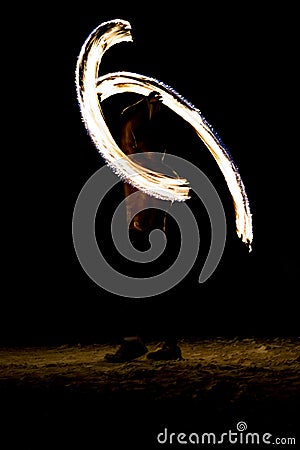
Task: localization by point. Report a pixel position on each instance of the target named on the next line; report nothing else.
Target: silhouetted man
(141, 132)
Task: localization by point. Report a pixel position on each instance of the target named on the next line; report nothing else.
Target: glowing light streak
(92, 89)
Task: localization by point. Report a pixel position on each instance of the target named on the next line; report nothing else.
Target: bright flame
(92, 90)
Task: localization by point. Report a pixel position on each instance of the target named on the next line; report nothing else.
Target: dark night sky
(239, 68)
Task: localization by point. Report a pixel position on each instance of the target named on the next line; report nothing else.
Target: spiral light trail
(92, 89)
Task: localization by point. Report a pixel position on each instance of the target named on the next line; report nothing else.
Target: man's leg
(131, 348)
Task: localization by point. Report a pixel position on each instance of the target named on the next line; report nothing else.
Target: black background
(237, 64)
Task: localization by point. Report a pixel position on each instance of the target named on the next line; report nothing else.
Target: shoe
(131, 348)
(166, 353)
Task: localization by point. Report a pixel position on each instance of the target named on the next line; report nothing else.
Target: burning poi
(92, 89)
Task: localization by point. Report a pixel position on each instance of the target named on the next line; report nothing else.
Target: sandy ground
(72, 393)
